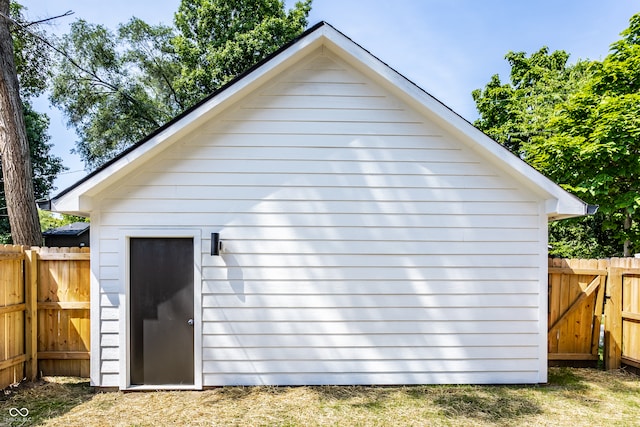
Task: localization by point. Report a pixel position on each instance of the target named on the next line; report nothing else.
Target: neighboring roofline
(562, 204)
(66, 230)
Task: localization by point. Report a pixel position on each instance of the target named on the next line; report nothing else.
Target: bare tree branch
(67, 13)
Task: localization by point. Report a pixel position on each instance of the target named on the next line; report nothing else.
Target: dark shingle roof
(75, 229)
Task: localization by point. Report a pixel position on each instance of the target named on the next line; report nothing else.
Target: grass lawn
(573, 397)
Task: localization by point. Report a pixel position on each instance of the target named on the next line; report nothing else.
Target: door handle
(190, 322)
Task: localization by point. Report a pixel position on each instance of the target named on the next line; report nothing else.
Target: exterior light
(216, 244)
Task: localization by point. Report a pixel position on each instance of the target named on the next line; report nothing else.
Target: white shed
(369, 235)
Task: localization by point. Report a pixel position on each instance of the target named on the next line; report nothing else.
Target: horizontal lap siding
(361, 243)
(110, 290)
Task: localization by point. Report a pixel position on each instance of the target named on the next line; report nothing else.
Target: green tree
(519, 113)
(219, 39)
(596, 145)
(45, 165)
(580, 125)
(32, 61)
(49, 220)
(117, 88)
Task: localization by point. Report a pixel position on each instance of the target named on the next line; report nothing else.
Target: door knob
(190, 322)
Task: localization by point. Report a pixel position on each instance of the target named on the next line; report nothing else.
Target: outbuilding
(318, 220)
(70, 235)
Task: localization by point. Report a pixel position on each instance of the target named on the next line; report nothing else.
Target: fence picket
(613, 322)
(31, 315)
(630, 314)
(598, 313)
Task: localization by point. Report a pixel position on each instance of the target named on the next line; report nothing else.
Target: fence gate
(64, 330)
(622, 340)
(576, 300)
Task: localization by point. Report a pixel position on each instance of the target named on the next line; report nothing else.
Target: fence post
(31, 314)
(613, 320)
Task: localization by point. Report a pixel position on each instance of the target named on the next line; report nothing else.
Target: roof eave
(77, 199)
(559, 210)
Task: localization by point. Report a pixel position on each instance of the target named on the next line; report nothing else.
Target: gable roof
(77, 198)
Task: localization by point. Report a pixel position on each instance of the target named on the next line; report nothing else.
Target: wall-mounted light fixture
(216, 244)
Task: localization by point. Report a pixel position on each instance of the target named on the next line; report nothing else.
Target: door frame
(124, 312)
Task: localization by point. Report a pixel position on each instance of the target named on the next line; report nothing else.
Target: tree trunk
(14, 146)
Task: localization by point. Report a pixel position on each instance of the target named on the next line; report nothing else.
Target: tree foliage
(45, 166)
(597, 143)
(32, 61)
(578, 124)
(116, 88)
(114, 91)
(49, 220)
(33, 66)
(517, 113)
(219, 39)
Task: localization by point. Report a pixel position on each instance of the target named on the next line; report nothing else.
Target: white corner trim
(543, 295)
(94, 314)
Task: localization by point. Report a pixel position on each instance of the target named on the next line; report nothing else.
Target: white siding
(362, 244)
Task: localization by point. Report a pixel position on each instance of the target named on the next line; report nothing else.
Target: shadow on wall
(234, 275)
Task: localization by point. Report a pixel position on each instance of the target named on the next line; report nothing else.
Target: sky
(447, 47)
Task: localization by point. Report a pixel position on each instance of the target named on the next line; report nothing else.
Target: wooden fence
(45, 329)
(44, 312)
(14, 315)
(576, 297)
(581, 294)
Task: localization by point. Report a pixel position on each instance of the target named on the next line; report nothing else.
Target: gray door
(161, 310)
